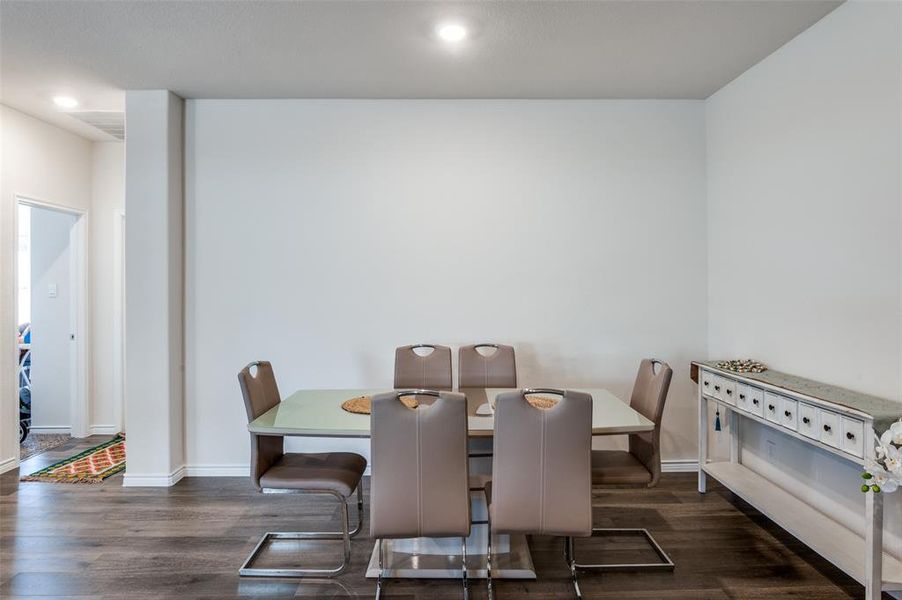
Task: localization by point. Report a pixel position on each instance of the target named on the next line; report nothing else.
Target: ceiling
(93, 50)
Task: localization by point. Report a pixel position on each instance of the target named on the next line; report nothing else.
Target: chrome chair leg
(381, 571)
(466, 581)
(571, 563)
(464, 576)
(345, 533)
(666, 563)
(488, 559)
(359, 511)
(247, 570)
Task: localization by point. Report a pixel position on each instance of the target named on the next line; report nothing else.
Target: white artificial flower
(887, 482)
(888, 439)
(893, 460)
(895, 431)
(883, 444)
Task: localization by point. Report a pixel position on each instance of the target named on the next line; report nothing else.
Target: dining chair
(477, 370)
(541, 475)
(640, 466)
(419, 485)
(495, 370)
(275, 471)
(431, 372)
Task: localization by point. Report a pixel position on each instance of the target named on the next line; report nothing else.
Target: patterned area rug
(36, 443)
(91, 466)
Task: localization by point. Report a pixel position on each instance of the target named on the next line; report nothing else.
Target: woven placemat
(362, 405)
(542, 401)
(538, 401)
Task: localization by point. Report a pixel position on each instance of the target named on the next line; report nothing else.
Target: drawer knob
(771, 407)
(716, 388)
(729, 392)
(742, 396)
(827, 428)
(706, 383)
(806, 420)
(787, 413)
(850, 436)
(755, 401)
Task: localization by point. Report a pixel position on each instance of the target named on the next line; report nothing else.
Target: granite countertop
(884, 412)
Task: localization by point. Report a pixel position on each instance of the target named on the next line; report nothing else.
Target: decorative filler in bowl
(885, 473)
(742, 366)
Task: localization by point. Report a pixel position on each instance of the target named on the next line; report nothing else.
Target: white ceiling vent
(108, 121)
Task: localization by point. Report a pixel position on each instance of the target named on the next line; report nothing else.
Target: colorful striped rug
(91, 466)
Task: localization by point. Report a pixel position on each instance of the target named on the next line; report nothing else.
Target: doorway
(51, 293)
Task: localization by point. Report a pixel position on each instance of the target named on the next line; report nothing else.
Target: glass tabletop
(318, 413)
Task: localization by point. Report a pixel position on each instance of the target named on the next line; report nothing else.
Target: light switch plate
(52, 290)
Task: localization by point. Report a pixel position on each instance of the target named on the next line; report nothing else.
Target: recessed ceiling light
(452, 32)
(65, 102)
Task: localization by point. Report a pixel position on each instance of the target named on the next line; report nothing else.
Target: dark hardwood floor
(106, 541)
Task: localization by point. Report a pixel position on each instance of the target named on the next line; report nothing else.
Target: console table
(827, 417)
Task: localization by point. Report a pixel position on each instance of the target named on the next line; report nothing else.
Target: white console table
(833, 419)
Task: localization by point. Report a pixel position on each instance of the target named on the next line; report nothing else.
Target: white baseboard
(217, 471)
(679, 466)
(226, 471)
(104, 430)
(51, 429)
(93, 430)
(667, 466)
(9, 464)
(160, 480)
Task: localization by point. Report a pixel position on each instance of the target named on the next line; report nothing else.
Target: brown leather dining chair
(429, 372)
(495, 370)
(273, 470)
(640, 466)
(419, 485)
(475, 370)
(541, 474)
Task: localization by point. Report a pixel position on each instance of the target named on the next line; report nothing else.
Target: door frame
(79, 410)
(118, 366)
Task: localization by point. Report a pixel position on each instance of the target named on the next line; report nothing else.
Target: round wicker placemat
(542, 401)
(361, 405)
(539, 401)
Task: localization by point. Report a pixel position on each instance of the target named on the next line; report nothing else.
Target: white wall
(107, 208)
(43, 162)
(804, 227)
(323, 234)
(51, 321)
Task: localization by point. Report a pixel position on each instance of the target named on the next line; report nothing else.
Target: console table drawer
(789, 409)
(808, 421)
(831, 427)
(853, 436)
(756, 401)
(725, 389)
(772, 407)
(729, 391)
(743, 397)
(707, 383)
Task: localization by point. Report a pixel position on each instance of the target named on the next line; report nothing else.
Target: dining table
(318, 413)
